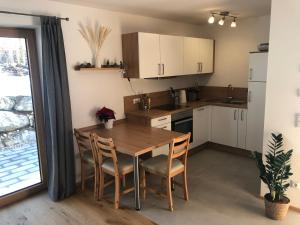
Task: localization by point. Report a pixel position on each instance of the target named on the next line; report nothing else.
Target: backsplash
(204, 93)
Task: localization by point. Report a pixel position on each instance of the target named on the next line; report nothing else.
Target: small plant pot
(276, 210)
(109, 124)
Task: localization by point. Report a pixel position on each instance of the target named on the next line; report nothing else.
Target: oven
(183, 122)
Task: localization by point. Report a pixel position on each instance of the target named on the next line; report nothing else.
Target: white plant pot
(109, 124)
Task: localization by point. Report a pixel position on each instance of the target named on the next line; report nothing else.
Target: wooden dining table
(135, 140)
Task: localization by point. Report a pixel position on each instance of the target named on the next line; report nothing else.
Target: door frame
(36, 90)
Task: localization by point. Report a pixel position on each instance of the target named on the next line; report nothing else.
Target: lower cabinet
(242, 129)
(201, 125)
(229, 126)
(224, 125)
(164, 123)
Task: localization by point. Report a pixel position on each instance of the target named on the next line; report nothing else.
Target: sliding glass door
(22, 158)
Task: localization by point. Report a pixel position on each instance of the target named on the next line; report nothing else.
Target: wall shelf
(102, 69)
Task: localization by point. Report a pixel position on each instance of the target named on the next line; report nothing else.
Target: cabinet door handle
(159, 68)
(198, 67)
(234, 115)
(249, 96)
(250, 74)
(162, 119)
(201, 66)
(242, 115)
(163, 67)
(200, 109)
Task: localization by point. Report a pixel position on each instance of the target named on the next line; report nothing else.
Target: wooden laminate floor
(79, 209)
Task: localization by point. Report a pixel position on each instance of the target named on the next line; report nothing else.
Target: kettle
(182, 96)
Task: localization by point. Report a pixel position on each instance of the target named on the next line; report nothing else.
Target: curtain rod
(27, 14)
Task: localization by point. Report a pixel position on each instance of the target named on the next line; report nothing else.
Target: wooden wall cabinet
(148, 55)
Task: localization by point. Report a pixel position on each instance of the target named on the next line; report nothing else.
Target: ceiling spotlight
(233, 23)
(211, 19)
(222, 21)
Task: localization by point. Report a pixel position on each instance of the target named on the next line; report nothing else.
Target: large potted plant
(275, 173)
(107, 116)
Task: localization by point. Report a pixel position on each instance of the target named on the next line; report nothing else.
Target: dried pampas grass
(95, 36)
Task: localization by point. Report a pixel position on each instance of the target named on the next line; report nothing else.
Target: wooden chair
(168, 167)
(86, 156)
(112, 164)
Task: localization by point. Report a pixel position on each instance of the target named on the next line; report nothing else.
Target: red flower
(105, 114)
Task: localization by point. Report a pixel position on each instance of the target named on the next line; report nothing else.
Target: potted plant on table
(275, 173)
(107, 116)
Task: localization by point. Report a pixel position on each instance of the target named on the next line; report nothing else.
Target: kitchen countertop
(154, 113)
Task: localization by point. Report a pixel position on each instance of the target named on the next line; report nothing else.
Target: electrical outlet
(136, 100)
(294, 184)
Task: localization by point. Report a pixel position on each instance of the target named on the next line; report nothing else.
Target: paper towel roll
(182, 97)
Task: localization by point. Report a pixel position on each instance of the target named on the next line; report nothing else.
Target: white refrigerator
(258, 64)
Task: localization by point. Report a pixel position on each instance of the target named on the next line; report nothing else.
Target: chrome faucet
(229, 91)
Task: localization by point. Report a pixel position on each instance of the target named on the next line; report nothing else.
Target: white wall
(282, 82)
(232, 48)
(91, 90)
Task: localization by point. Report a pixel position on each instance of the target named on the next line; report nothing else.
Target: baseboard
(229, 149)
(198, 149)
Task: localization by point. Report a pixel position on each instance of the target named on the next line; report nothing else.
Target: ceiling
(189, 11)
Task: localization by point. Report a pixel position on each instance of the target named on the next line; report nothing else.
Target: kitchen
(177, 76)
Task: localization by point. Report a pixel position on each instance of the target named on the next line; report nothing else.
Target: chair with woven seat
(169, 166)
(86, 156)
(113, 164)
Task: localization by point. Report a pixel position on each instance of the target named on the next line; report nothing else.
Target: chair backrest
(105, 148)
(83, 142)
(179, 149)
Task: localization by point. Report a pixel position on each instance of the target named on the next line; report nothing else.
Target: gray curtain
(58, 123)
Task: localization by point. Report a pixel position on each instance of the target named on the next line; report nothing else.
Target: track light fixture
(233, 23)
(222, 21)
(211, 19)
(223, 15)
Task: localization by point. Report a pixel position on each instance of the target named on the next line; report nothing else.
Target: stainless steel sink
(234, 101)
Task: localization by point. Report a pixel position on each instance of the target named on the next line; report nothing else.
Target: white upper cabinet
(206, 55)
(191, 55)
(171, 55)
(149, 55)
(198, 55)
(258, 66)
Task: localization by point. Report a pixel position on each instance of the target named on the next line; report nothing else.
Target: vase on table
(109, 124)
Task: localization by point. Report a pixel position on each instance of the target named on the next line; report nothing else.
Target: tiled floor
(18, 169)
(223, 190)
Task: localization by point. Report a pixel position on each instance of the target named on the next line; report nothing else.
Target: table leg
(136, 183)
